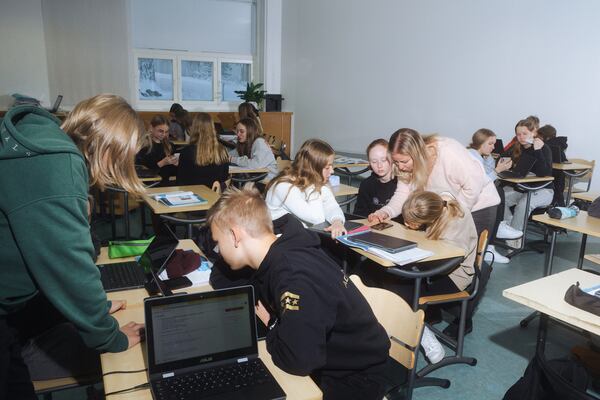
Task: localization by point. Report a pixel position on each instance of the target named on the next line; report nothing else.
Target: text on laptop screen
(200, 328)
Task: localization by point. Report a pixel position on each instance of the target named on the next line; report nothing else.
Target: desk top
(570, 166)
(546, 295)
(296, 387)
(350, 165)
(528, 179)
(156, 178)
(200, 190)
(242, 170)
(581, 223)
(180, 142)
(343, 190)
(441, 250)
(586, 196)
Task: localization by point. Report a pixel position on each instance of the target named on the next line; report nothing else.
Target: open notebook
(179, 199)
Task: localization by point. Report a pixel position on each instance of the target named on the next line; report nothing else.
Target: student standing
(157, 154)
(302, 189)
(377, 190)
(252, 151)
(318, 322)
(204, 160)
(49, 280)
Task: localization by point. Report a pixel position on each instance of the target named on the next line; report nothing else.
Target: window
(192, 79)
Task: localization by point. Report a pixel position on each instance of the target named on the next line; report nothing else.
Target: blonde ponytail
(429, 210)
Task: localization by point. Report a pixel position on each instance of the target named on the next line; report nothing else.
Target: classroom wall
(353, 71)
(23, 66)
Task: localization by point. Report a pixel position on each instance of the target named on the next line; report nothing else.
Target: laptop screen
(157, 253)
(188, 330)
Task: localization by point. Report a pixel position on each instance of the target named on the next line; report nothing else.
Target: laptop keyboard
(213, 381)
(122, 275)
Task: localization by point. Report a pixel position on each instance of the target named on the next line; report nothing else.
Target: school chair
(586, 178)
(45, 388)
(404, 327)
(463, 297)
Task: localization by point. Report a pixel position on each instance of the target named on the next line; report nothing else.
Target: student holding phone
(157, 153)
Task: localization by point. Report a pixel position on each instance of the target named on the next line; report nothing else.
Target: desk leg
(416, 294)
(569, 190)
(542, 332)
(582, 251)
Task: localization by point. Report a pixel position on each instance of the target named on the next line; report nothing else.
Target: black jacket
(188, 173)
(372, 195)
(325, 326)
(559, 176)
(543, 161)
(149, 158)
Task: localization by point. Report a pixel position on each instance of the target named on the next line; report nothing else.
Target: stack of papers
(401, 258)
(179, 199)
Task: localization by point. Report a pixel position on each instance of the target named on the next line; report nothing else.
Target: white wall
(23, 67)
(354, 70)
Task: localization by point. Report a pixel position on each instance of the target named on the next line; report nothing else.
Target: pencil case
(127, 248)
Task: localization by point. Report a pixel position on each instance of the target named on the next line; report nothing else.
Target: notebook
(203, 345)
(387, 243)
(524, 165)
(135, 274)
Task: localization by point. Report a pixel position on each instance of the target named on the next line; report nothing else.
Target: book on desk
(179, 199)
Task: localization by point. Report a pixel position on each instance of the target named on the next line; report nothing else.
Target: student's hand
(336, 229)
(262, 313)
(117, 305)
(538, 143)
(132, 331)
(378, 216)
(503, 165)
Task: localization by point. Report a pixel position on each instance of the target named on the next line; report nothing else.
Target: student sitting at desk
(318, 322)
(51, 297)
(247, 110)
(527, 143)
(302, 189)
(204, 160)
(548, 134)
(377, 190)
(252, 151)
(157, 154)
(175, 129)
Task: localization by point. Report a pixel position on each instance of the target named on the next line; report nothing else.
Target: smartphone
(381, 226)
(503, 159)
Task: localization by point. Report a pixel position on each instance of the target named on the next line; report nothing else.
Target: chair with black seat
(463, 297)
(404, 327)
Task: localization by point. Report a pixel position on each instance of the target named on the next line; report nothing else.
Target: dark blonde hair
(158, 120)
(429, 210)
(245, 208)
(377, 142)
(107, 132)
(208, 149)
(245, 149)
(546, 132)
(409, 142)
(479, 138)
(307, 167)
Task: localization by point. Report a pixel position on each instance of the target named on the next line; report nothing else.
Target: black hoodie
(324, 324)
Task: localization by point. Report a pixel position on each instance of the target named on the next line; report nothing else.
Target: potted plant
(252, 94)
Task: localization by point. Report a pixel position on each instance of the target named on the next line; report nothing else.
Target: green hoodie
(45, 243)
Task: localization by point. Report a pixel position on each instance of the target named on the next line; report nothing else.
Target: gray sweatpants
(539, 198)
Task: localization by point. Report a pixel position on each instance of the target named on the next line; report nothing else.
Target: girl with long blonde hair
(204, 160)
(301, 189)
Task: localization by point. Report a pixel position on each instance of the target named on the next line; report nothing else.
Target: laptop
(498, 147)
(387, 243)
(203, 346)
(524, 165)
(558, 156)
(320, 228)
(135, 274)
(56, 104)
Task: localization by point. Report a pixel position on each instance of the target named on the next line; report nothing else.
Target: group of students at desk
(330, 334)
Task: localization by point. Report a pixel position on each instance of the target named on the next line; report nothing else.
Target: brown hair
(158, 120)
(535, 121)
(479, 138)
(245, 149)
(107, 130)
(409, 142)
(530, 124)
(307, 167)
(546, 132)
(208, 149)
(245, 208)
(429, 210)
(247, 110)
(376, 142)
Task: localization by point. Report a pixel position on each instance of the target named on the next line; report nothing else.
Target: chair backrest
(282, 164)
(481, 249)
(402, 324)
(587, 178)
(216, 187)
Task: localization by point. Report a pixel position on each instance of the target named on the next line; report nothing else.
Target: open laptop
(498, 147)
(203, 346)
(387, 243)
(56, 104)
(524, 165)
(135, 274)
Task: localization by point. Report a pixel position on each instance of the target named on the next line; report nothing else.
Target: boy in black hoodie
(319, 323)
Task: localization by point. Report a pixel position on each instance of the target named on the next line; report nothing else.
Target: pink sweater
(455, 172)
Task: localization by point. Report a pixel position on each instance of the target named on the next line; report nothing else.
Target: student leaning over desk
(48, 281)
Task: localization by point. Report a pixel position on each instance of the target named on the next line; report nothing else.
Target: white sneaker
(506, 231)
(498, 258)
(433, 348)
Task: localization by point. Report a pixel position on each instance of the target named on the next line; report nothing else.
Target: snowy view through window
(156, 79)
(234, 76)
(197, 80)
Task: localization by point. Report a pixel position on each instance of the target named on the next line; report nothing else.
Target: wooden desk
(242, 170)
(569, 166)
(296, 387)
(440, 249)
(528, 179)
(571, 170)
(586, 196)
(200, 190)
(343, 190)
(546, 295)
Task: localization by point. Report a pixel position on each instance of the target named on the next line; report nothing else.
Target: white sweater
(308, 206)
(261, 156)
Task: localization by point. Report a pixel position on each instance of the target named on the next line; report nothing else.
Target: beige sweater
(455, 172)
(461, 232)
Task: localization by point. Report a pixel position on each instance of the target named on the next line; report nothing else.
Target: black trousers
(15, 382)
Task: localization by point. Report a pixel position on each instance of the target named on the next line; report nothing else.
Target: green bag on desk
(128, 248)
